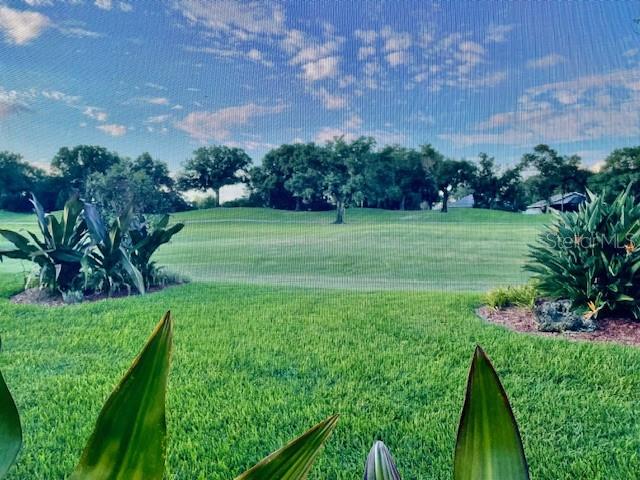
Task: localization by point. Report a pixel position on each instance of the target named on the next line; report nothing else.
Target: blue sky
(169, 76)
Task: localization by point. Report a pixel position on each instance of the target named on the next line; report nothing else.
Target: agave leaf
(294, 460)
(489, 446)
(95, 224)
(132, 271)
(129, 439)
(380, 464)
(72, 210)
(10, 429)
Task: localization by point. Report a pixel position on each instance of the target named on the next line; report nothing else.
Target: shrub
(59, 252)
(129, 438)
(590, 257)
(519, 296)
(82, 253)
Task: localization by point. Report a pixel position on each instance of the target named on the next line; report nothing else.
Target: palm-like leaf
(294, 460)
(488, 446)
(10, 429)
(129, 439)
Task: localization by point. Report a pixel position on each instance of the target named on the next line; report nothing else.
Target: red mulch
(35, 296)
(617, 330)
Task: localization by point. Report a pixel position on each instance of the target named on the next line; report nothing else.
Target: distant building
(568, 202)
(465, 202)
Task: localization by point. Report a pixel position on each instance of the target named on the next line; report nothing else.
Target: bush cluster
(81, 253)
(591, 257)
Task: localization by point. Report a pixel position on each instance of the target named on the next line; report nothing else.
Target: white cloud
(498, 33)
(104, 4)
(12, 102)
(95, 113)
(58, 96)
(155, 100)
(397, 58)
(125, 6)
(366, 52)
(157, 119)
(205, 126)
(632, 52)
(366, 36)
(20, 27)
(243, 20)
(113, 129)
(155, 86)
(547, 61)
(321, 69)
(331, 101)
(586, 108)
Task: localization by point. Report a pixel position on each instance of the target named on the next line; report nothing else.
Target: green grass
(254, 366)
(464, 250)
(257, 361)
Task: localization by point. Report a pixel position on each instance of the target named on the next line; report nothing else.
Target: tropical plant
(512, 296)
(146, 238)
(109, 262)
(59, 252)
(129, 438)
(591, 257)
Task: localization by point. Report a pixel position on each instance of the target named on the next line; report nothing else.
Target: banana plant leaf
(10, 429)
(294, 460)
(129, 439)
(488, 446)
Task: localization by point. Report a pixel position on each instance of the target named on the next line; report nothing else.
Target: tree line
(310, 176)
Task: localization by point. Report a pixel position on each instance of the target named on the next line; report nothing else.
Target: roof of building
(560, 199)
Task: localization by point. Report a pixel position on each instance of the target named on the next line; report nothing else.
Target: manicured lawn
(464, 250)
(254, 366)
(258, 361)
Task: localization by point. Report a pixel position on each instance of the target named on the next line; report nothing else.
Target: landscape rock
(558, 316)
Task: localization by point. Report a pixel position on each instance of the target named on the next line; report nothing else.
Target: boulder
(558, 316)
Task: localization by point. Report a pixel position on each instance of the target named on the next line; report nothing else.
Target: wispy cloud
(218, 125)
(547, 61)
(585, 108)
(113, 129)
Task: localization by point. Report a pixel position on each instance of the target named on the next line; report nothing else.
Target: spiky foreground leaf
(10, 429)
(129, 439)
(488, 445)
(294, 460)
(380, 464)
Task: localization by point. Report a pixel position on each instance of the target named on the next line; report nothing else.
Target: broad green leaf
(380, 464)
(10, 429)
(294, 460)
(129, 439)
(488, 445)
(95, 224)
(133, 272)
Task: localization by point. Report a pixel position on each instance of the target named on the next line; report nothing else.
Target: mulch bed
(35, 296)
(617, 330)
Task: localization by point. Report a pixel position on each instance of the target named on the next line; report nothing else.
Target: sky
(169, 76)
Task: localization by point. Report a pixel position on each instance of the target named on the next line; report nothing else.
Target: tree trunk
(403, 202)
(339, 213)
(216, 197)
(445, 202)
(297, 204)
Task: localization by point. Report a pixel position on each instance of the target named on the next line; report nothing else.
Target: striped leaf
(10, 429)
(488, 445)
(129, 439)
(294, 460)
(380, 464)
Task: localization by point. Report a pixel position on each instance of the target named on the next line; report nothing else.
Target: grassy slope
(465, 250)
(254, 366)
